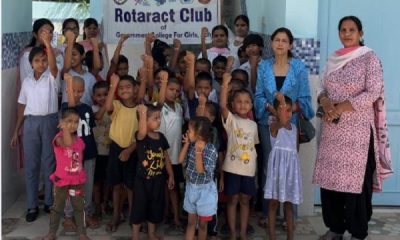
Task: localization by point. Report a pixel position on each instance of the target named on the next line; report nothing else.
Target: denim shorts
(201, 199)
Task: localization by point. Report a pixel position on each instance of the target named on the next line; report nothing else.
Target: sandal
(69, 225)
(92, 223)
(112, 226)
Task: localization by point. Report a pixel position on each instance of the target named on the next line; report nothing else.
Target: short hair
(240, 91)
(151, 108)
(174, 80)
(78, 47)
(204, 61)
(220, 59)
(203, 76)
(253, 39)
(36, 51)
(99, 85)
(77, 79)
(130, 79)
(240, 71)
(69, 111)
(122, 59)
(202, 127)
(288, 101)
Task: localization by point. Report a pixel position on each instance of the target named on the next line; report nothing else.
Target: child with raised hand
(171, 127)
(219, 44)
(69, 177)
(124, 124)
(119, 63)
(37, 113)
(239, 167)
(94, 59)
(75, 91)
(153, 164)
(73, 65)
(103, 141)
(200, 157)
(283, 182)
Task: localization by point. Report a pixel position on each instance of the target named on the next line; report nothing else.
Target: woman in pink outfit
(348, 165)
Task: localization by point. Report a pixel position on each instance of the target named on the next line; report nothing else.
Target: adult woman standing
(287, 75)
(348, 152)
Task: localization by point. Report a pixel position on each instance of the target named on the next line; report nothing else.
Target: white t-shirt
(212, 55)
(89, 80)
(40, 97)
(241, 156)
(171, 127)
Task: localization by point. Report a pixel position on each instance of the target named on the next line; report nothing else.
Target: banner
(167, 19)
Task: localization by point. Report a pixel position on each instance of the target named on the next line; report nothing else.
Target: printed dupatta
(384, 163)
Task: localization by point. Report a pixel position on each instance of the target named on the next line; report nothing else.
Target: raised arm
(142, 132)
(111, 92)
(163, 87)
(147, 43)
(51, 59)
(117, 52)
(189, 84)
(177, 48)
(204, 33)
(70, 37)
(143, 83)
(96, 55)
(148, 62)
(226, 79)
(70, 90)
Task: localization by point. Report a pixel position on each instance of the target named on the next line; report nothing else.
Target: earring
(362, 39)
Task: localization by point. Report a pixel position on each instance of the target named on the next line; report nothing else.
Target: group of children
(181, 120)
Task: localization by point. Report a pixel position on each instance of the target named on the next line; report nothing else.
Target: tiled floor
(385, 225)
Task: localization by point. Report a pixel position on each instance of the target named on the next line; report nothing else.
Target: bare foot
(50, 236)
(84, 237)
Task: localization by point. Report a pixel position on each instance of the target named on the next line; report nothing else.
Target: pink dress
(342, 153)
(69, 164)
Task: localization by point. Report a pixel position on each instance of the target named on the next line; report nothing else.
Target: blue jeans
(38, 135)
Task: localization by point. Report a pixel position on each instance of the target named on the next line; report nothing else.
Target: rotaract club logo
(120, 2)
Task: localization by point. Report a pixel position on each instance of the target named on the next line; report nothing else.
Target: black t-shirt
(151, 157)
(279, 80)
(85, 128)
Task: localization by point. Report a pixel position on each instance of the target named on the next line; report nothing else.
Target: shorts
(148, 200)
(201, 199)
(100, 171)
(235, 184)
(178, 173)
(119, 172)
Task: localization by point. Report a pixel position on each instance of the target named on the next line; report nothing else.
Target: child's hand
(202, 100)
(229, 63)
(65, 126)
(68, 79)
(46, 37)
(14, 140)
(114, 80)
(95, 42)
(199, 145)
(122, 38)
(204, 33)
(142, 109)
(163, 77)
(226, 79)
(185, 138)
(150, 37)
(189, 58)
(143, 74)
(171, 182)
(253, 60)
(70, 36)
(177, 44)
(148, 61)
(124, 155)
(281, 98)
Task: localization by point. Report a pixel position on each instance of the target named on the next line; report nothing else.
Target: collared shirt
(40, 97)
(210, 156)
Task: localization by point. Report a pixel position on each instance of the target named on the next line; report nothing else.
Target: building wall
(15, 35)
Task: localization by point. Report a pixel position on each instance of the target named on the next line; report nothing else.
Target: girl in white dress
(283, 182)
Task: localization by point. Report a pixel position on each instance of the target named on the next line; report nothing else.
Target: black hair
(151, 108)
(288, 101)
(354, 19)
(89, 59)
(203, 76)
(204, 61)
(99, 85)
(87, 23)
(78, 47)
(241, 91)
(35, 51)
(159, 58)
(158, 52)
(202, 127)
(240, 71)
(68, 20)
(181, 55)
(240, 83)
(68, 112)
(35, 29)
(130, 79)
(241, 49)
(220, 59)
(220, 27)
(122, 59)
(253, 39)
(244, 18)
(210, 108)
(288, 34)
(166, 69)
(174, 80)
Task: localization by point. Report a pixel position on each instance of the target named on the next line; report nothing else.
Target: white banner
(167, 19)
